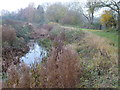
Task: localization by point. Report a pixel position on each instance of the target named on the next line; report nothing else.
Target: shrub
(5, 44)
(56, 31)
(18, 43)
(18, 77)
(24, 32)
(110, 30)
(74, 35)
(97, 26)
(8, 34)
(47, 27)
(62, 69)
(45, 43)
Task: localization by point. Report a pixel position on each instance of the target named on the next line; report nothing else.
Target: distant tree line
(72, 13)
(29, 14)
(57, 12)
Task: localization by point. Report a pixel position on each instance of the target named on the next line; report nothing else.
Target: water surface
(35, 54)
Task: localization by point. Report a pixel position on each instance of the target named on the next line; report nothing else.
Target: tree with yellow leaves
(107, 19)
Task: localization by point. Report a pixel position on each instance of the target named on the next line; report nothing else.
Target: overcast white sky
(13, 5)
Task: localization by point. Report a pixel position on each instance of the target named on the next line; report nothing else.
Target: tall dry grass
(62, 68)
(18, 77)
(99, 60)
(8, 34)
(103, 46)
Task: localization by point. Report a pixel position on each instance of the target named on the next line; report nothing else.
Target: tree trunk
(92, 16)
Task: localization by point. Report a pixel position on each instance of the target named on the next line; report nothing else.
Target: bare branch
(109, 5)
(86, 17)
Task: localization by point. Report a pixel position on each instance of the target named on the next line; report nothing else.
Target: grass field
(112, 36)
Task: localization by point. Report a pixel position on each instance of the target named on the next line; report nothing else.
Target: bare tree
(91, 6)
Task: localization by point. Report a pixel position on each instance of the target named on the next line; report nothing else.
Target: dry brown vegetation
(12, 55)
(42, 31)
(47, 26)
(73, 57)
(18, 77)
(76, 59)
(99, 60)
(8, 34)
(60, 70)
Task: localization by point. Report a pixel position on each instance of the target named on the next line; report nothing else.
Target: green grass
(112, 36)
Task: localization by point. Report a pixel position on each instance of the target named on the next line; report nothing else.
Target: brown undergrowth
(94, 65)
(12, 55)
(99, 60)
(61, 69)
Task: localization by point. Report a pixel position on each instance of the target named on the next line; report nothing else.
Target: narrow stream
(35, 54)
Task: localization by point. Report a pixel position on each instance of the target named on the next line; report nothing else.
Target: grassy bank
(112, 36)
(98, 56)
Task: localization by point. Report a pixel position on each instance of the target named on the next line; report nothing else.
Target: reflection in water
(35, 54)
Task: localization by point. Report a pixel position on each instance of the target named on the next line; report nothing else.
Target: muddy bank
(12, 55)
